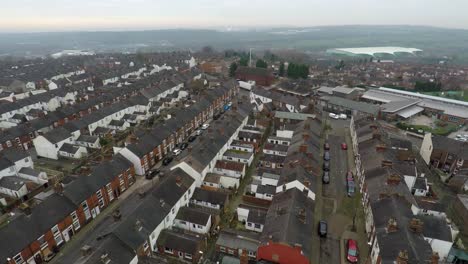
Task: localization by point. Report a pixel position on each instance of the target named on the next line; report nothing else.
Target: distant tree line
(296, 71)
(261, 64)
(427, 86)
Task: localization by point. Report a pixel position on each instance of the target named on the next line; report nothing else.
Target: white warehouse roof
(373, 50)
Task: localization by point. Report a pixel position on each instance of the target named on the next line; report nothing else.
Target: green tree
(261, 64)
(232, 69)
(244, 61)
(298, 71)
(281, 69)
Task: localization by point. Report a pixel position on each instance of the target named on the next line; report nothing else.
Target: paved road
(334, 192)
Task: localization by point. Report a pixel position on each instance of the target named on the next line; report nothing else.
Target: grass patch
(441, 128)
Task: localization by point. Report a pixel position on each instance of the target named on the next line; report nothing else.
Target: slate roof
(214, 197)
(12, 182)
(179, 241)
(230, 165)
(69, 148)
(57, 135)
(29, 171)
(116, 250)
(266, 189)
(290, 220)
(236, 239)
(436, 228)
(23, 230)
(193, 215)
(153, 209)
(85, 186)
(257, 216)
(390, 244)
(5, 164)
(87, 139)
(450, 145)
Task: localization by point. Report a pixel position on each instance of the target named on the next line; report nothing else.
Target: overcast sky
(63, 15)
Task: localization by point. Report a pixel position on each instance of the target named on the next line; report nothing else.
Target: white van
(343, 116)
(334, 116)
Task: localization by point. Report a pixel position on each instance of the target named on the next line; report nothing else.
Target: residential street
(336, 207)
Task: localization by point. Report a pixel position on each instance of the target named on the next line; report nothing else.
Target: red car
(344, 146)
(352, 251)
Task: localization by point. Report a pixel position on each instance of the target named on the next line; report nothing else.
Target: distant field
(457, 95)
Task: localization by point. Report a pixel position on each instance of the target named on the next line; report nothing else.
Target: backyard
(437, 128)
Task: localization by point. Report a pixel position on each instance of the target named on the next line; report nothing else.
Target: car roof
(352, 243)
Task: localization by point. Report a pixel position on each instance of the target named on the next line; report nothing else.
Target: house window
(76, 221)
(122, 182)
(173, 210)
(257, 225)
(168, 250)
(110, 192)
(42, 242)
(18, 259)
(100, 198)
(200, 227)
(249, 224)
(251, 254)
(230, 251)
(145, 246)
(86, 210)
(222, 249)
(57, 236)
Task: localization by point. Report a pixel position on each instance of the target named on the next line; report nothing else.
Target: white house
(252, 218)
(193, 220)
(48, 145)
(230, 168)
(52, 85)
(72, 151)
(238, 156)
(13, 186)
(88, 141)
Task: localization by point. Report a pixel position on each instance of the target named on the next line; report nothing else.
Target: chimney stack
(303, 148)
(402, 257)
(435, 258)
(178, 180)
(416, 225)
(392, 225)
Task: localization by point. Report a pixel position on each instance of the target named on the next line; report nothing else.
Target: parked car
(326, 146)
(205, 126)
(152, 173)
(167, 160)
(326, 177)
(343, 116)
(350, 186)
(352, 251)
(326, 165)
(176, 152)
(344, 146)
(216, 117)
(183, 146)
(322, 228)
(198, 132)
(349, 176)
(334, 116)
(326, 155)
(191, 138)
